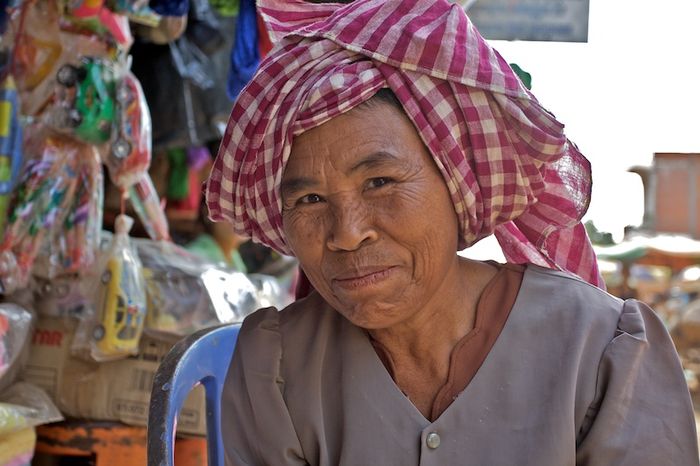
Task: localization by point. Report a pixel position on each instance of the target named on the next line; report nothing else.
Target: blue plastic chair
(203, 357)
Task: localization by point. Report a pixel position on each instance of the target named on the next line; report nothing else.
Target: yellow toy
(123, 303)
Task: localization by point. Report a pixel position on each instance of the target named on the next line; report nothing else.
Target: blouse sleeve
(642, 413)
(256, 426)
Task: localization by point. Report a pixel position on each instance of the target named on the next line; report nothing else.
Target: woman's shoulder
(567, 291)
(312, 308)
(306, 322)
(566, 303)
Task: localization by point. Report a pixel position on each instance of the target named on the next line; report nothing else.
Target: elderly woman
(375, 141)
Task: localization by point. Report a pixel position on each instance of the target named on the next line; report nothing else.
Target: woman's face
(369, 217)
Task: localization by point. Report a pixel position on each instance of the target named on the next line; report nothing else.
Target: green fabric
(178, 178)
(206, 247)
(524, 76)
(226, 7)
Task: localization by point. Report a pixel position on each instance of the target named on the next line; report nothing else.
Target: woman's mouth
(363, 279)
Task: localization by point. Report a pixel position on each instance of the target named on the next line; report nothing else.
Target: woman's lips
(364, 278)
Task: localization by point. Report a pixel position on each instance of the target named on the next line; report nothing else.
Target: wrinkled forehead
(376, 129)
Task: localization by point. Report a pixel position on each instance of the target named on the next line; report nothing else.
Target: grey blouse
(576, 377)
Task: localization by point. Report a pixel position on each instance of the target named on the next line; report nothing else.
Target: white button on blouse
(432, 440)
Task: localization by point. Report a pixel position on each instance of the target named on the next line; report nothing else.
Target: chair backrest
(203, 357)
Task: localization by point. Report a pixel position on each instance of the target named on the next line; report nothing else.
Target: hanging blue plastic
(170, 7)
(10, 136)
(5, 5)
(245, 55)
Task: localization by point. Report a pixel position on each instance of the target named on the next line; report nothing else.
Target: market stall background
(109, 113)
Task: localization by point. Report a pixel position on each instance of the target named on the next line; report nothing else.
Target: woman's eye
(379, 182)
(310, 199)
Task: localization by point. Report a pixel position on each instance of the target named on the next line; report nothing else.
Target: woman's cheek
(407, 200)
(304, 229)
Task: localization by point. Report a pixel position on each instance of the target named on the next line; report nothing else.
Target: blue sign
(536, 20)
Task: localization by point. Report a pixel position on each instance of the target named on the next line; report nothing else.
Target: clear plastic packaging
(94, 16)
(186, 293)
(233, 295)
(63, 296)
(178, 302)
(144, 198)
(40, 48)
(54, 225)
(25, 405)
(271, 291)
(114, 330)
(129, 155)
(15, 331)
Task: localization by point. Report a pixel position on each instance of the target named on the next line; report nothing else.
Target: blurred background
(111, 112)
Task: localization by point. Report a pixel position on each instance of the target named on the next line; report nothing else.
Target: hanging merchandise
(245, 54)
(85, 103)
(94, 16)
(4, 5)
(115, 329)
(137, 11)
(170, 7)
(205, 31)
(25, 405)
(186, 293)
(10, 145)
(57, 211)
(144, 198)
(178, 174)
(186, 78)
(22, 407)
(226, 7)
(178, 302)
(130, 154)
(168, 29)
(15, 332)
(188, 169)
(191, 63)
(40, 47)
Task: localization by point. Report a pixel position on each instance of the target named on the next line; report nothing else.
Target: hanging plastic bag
(170, 7)
(144, 198)
(245, 54)
(40, 47)
(191, 63)
(15, 326)
(130, 154)
(178, 302)
(226, 7)
(57, 212)
(94, 16)
(85, 103)
(120, 303)
(10, 145)
(22, 407)
(25, 405)
(204, 29)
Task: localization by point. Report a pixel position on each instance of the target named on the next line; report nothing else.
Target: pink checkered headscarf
(509, 168)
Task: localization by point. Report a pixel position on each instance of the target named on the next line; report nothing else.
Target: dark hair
(387, 96)
(384, 96)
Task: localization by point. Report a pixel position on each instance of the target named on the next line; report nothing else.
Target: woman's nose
(351, 227)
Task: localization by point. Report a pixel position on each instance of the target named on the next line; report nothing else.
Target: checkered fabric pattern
(509, 167)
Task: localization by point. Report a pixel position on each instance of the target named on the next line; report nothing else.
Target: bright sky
(632, 90)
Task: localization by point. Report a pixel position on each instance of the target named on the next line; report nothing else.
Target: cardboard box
(115, 391)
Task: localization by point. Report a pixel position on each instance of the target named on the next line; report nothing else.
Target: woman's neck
(420, 348)
(445, 319)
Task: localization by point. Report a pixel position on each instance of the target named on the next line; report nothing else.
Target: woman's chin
(373, 315)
